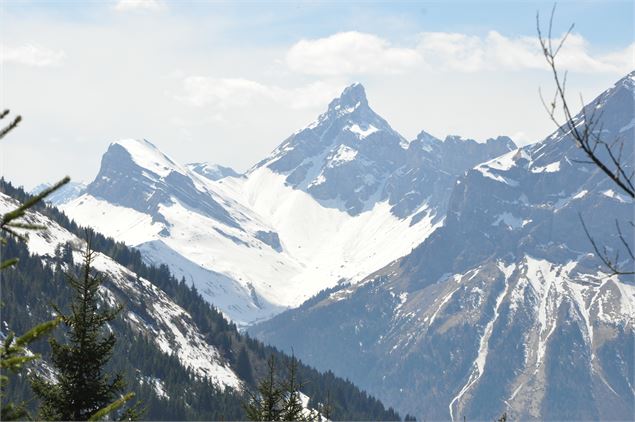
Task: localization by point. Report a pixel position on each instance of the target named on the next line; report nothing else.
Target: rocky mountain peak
(134, 173)
(352, 97)
(144, 154)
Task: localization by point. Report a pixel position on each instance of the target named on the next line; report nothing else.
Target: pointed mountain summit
(343, 157)
(351, 159)
(292, 226)
(146, 155)
(351, 98)
(504, 308)
(134, 173)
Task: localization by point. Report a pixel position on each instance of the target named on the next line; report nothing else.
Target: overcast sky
(227, 82)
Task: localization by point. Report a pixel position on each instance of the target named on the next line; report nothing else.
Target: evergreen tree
(13, 352)
(243, 366)
(83, 391)
(282, 401)
(67, 253)
(292, 409)
(326, 408)
(34, 283)
(266, 404)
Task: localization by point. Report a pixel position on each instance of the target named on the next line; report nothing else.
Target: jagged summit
(344, 157)
(351, 159)
(503, 141)
(351, 98)
(135, 174)
(425, 137)
(503, 308)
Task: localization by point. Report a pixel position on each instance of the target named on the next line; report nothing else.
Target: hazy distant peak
(212, 171)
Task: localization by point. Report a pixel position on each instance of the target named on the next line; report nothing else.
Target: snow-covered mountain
(336, 201)
(502, 309)
(175, 217)
(351, 159)
(65, 194)
(149, 310)
(181, 357)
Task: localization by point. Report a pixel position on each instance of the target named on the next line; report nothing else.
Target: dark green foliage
(83, 389)
(292, 409)
(267, 403)
(243, 366)
(13, 357)
(278, 401)
(33, 285)
(326, 409)
(13, 352)
(65, 252)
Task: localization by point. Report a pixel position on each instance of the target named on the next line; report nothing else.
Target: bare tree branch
(610, 263)
(586, 130)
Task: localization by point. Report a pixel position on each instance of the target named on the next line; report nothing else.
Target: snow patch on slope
(481, 358)
(342, 155)
(328, 243)
(122, 223)
(549, 168)
(362, 133)
(510, 221)
(247, 279)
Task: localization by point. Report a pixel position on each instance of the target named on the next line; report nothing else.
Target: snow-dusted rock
(502, 309)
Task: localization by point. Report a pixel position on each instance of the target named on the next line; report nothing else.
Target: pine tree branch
(111, 407)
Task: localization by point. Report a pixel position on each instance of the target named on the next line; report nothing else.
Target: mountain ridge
(178, 353)
(504, 308)
(257, 244)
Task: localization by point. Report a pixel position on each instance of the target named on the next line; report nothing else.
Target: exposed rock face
(270, 238)
(135, 174)
(337, 200)
(504, 308)
(350, 158)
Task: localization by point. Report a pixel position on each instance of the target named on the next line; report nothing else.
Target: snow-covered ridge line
(334, 202)
(171, 327)
(148, 156)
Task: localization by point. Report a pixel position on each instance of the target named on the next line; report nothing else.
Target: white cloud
(221, 93)
(31, 55)
(224, 93)
(469, 53)
(134, 89)
(355, 53)
(127, 5)
(314, 95)
(348, 53)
